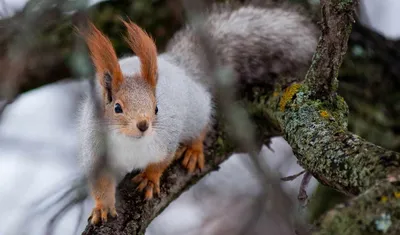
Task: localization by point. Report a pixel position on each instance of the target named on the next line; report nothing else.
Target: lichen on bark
(335, 28)
(313, 118)
(376, 211)
(325, 148)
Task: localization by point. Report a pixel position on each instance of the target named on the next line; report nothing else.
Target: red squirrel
(151, 103)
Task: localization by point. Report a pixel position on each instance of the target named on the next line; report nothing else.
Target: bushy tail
(258, 42)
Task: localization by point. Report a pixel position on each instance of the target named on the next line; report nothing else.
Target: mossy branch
(376, 211)
(336, 24)
(317, 133)
(313, 118)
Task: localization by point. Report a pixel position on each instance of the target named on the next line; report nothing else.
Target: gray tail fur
(258, 42)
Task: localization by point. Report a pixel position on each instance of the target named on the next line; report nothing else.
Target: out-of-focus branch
(239, 126)
(26, 56)
(37, 45)
(370, 83)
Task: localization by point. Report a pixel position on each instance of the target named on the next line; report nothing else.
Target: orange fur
(103, 192)
(193, 153)
(144, 47)
(103, 56)
(149, 179)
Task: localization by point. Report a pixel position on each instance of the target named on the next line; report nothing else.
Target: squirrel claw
(179, 152)
(150, 185)
(193, 158)
(101, 213)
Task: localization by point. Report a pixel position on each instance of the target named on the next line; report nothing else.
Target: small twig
(75, 194)
(292, 177)
(74, 187)
(75, 201)
(79, 220)
(302, 196)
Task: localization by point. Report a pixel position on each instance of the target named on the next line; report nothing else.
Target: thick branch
(316, 128)
(317, 133)
(373, 212)
(336, 28)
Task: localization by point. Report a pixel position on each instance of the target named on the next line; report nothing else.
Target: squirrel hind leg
(192, 153)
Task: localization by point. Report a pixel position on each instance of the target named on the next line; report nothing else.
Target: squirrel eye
(117, 108)
(156, 109)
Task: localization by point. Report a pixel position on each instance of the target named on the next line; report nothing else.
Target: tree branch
(314, 121)
(336, 19)
(317, 133)
(373, 212)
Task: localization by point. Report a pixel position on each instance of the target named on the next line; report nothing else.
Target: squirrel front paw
(101, 211)
(193, 157)
(149, 182)
(192, 153)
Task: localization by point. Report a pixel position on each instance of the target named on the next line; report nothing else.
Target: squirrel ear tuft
(144, 47)
(105, 60)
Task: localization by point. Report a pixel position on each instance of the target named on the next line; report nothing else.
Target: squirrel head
(130, 105)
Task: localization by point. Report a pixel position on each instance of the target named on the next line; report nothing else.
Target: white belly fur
(128, 154)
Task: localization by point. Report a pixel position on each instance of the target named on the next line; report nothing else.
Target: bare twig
(303, 197)
(292, 177)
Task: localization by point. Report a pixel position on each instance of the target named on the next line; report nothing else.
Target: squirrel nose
(142, 126)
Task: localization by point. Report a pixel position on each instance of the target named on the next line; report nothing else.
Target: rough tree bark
(316, 129)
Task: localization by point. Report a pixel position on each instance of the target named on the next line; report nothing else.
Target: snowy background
(38, 152)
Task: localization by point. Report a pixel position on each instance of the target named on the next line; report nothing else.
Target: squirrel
(159, 107)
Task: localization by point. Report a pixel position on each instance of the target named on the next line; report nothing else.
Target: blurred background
(38, 145)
